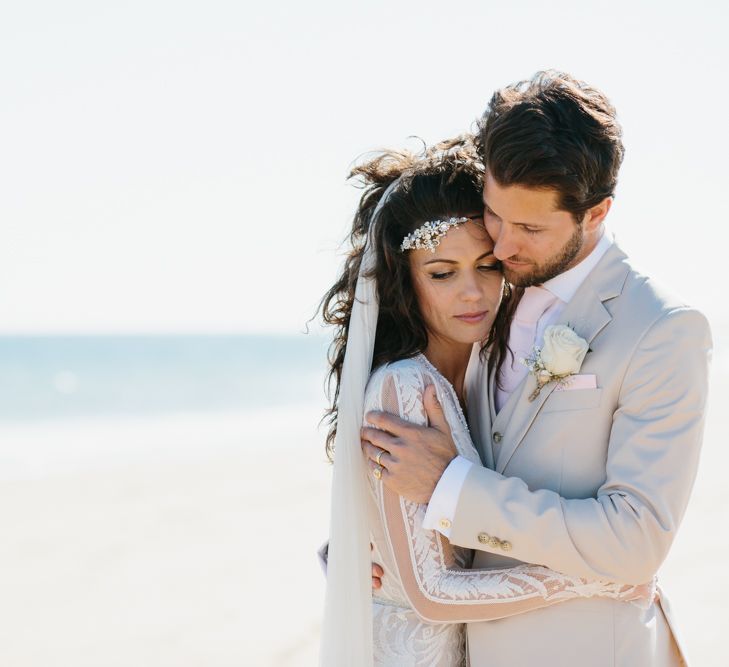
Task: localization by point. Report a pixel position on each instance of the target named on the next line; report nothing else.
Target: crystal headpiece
(427, 237)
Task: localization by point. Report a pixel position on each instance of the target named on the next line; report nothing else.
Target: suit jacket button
(506, 545)
(445, 523)
(497, 437)
(484, 538)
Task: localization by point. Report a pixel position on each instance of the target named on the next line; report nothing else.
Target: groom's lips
(510, 264)
(472, 318)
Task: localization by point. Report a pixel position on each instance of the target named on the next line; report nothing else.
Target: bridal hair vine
(428, 236)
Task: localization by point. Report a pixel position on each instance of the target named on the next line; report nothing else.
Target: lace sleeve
(437, 586)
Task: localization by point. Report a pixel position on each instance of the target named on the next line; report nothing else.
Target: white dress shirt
(443, 503)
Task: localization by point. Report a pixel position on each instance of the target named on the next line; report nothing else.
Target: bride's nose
(470, 289)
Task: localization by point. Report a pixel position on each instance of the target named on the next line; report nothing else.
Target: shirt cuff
(443, 503)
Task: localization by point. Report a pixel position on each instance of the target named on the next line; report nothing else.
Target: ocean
(73, 402)
(159, 492)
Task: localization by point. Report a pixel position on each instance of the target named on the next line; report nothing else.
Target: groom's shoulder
(645, 299)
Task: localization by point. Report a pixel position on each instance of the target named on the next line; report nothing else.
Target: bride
(419, 288)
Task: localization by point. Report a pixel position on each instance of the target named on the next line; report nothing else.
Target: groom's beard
(552, 267)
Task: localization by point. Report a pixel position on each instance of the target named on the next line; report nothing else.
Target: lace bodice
(428, 590)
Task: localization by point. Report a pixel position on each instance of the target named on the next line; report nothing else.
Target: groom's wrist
(442, 506)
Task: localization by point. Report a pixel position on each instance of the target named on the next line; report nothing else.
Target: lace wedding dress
(428, 591)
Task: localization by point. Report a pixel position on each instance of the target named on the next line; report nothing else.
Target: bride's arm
(442, 592)
(437, 588)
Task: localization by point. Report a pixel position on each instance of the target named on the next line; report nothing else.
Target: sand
(200, 556)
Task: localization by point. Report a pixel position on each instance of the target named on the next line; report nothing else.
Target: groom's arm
(624, 533)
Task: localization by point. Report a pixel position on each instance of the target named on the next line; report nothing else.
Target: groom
(591, 475)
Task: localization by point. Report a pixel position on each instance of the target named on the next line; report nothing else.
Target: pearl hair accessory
(427, 237)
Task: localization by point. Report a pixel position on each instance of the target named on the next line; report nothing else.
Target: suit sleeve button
(506, 545)
(445, 523)
(484, 538)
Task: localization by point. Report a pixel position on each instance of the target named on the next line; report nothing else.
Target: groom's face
(533, 239)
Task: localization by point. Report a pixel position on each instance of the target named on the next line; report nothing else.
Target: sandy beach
(205, 555)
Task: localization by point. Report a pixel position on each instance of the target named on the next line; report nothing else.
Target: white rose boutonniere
(561, 356)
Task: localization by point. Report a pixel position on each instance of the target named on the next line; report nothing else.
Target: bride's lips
(472, 318)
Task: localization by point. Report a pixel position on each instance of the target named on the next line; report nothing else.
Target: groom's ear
(596, 215)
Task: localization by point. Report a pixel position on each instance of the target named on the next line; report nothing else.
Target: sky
(181, 167)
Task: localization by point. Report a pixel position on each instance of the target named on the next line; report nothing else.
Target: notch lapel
(477, 399)
(587, 315)
(490, 409)
(524, 414)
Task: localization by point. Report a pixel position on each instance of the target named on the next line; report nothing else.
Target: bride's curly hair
(442, 181)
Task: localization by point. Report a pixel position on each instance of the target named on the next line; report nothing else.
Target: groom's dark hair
(553, 132)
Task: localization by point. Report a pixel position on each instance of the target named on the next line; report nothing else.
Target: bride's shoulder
(413, 372)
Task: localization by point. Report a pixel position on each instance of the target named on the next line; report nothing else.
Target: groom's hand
(412, 458)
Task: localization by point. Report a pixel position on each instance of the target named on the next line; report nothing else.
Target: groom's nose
(505, 245)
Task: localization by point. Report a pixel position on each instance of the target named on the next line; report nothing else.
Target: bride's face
(458, 286)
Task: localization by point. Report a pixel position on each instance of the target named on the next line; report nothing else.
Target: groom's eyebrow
(486, 205)
(519, 224)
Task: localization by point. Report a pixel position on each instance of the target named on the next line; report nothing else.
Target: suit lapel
(479, 421)
(490, 409)
(522, 417)
(587, 315)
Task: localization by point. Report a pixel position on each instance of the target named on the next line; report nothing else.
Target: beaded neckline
(450, 388)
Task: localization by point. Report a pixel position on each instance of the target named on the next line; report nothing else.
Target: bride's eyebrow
(453, 261)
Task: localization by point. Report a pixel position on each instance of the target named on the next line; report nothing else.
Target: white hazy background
(179, 167)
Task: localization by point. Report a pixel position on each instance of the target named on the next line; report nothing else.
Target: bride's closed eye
(441, 276)
(494, 266)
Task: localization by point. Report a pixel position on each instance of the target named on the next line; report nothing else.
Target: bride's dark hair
(444, 180)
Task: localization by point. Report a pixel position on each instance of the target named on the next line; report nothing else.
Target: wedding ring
(377, 472)
(379, 456)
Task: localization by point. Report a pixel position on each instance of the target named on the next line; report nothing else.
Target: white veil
(346, 638)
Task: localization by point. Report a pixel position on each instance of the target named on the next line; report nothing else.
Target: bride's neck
(451, 360)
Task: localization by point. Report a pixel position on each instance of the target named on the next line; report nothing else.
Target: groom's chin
(519, 278)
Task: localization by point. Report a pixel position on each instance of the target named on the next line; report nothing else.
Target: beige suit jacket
(591, 482)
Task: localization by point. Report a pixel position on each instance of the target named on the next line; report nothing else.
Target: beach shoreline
(207, 555)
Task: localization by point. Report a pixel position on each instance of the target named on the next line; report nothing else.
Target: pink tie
(522, 335)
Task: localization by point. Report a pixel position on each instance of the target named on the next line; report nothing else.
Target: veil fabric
(346, 638)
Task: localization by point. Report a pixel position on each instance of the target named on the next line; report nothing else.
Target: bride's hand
(410, 458)
(377, 574)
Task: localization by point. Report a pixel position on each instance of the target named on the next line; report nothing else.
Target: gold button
(497, 437)
(484, 538)
(495, 542)
(445, 523)
(506, 545)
